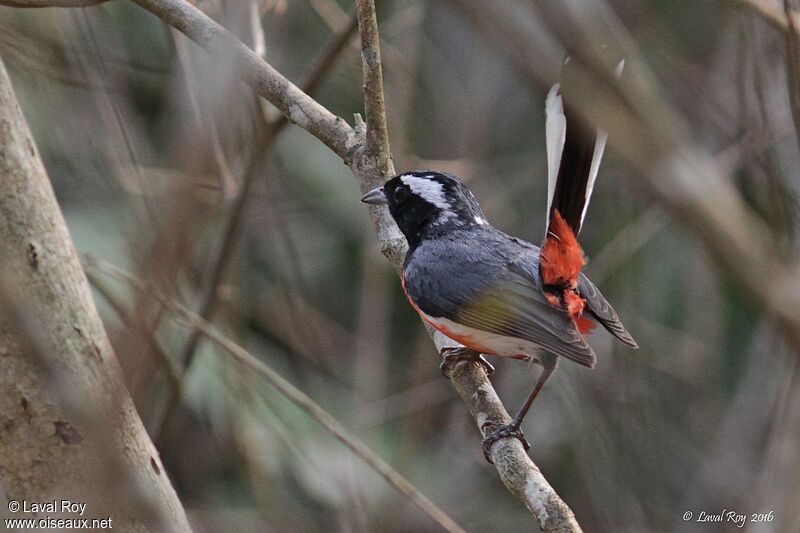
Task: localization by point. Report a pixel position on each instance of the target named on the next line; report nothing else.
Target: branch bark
(68, 425)
(516, 469)
(365, 149)
(298, 107)
(251, 363)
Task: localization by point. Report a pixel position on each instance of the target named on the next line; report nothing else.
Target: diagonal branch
(516, 469)
(365, 150)
(265, 139)
(69, 425)
(189, 319)
(298, 107)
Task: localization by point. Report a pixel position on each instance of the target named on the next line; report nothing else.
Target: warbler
(497, 294)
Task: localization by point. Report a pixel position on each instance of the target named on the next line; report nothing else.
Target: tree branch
(298, 107)
(68, 423)
(374, 107)
(266, 136)
(196, 323)
(516, 469)
(365, 150)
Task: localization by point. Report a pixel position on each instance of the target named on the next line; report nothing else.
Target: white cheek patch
(480, 220)
(429, 190)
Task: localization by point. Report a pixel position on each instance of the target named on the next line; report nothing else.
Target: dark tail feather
(577, 157)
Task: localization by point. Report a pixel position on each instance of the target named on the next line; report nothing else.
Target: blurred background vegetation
(148, 143)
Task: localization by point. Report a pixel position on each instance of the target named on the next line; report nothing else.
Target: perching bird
(497, 294)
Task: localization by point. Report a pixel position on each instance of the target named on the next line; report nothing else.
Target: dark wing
(599, 307)
(499, 298)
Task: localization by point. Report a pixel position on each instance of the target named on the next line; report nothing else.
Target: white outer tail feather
(556, 132)
(555, 135)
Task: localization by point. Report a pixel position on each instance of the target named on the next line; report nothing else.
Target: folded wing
(597, 305)
(498, 299)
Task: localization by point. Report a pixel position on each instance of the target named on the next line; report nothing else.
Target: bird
(497, 294)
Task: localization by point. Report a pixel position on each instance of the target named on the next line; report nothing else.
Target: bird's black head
(427, 203)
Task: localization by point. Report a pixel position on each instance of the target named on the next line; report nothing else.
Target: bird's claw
(451, 356)
(502, 432)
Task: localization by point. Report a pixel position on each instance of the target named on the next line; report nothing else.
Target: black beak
(375, 197)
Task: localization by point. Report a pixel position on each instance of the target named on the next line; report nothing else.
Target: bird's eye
(400, 194)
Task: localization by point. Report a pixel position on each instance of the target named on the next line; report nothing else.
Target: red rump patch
(585, 325)
(561, 257)
(561, 260)
(574, 303)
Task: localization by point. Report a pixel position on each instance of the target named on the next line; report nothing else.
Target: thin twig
(371, 164)
(265, 139)
(516, 469)
(374, 107)
(300, 108)
(191, 320)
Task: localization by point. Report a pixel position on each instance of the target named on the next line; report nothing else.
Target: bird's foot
(451, 356)
(502, 432)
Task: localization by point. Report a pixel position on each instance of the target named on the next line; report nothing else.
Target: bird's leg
(513, 429)
(451, 356)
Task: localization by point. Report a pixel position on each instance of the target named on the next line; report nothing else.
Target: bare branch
(517, 471)
(300, 108)
(374, 107)
(187, 318)
(69, 424)
(267, 134)
(366, 150)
